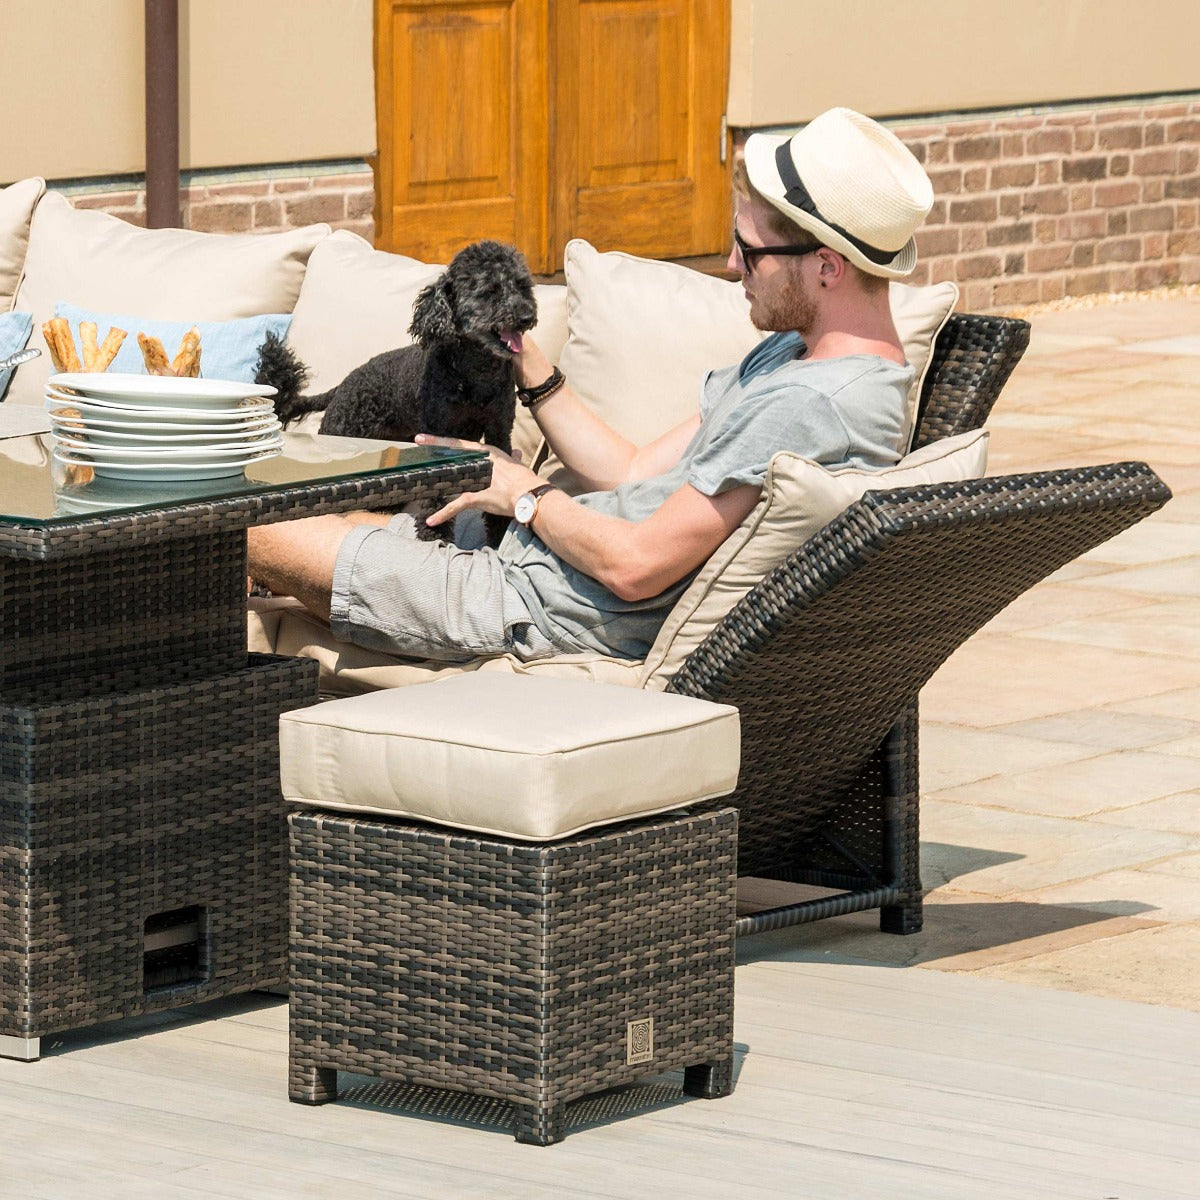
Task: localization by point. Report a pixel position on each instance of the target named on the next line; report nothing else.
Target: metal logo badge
(639, 1041)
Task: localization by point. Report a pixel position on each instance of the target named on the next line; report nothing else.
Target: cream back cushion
(101, 262)
(799, 497)
(357, 302)
(643, 335)
(17, 202)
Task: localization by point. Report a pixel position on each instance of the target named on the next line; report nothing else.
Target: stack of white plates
(150, 427)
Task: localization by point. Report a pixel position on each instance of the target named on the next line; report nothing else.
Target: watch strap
(537, 493)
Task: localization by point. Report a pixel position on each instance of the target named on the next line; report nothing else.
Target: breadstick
(109, 347)
(52, 346)
(72, 419)
(66, 344)
(87, 343)
(77, 474)
(187, 361)
(154, 356)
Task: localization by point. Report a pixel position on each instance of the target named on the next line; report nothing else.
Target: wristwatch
(527, 503)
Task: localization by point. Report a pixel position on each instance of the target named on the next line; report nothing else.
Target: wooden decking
(855, 1080)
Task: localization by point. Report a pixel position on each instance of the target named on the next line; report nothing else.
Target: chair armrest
(824, 654)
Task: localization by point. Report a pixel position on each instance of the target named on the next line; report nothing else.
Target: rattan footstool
(496, 889)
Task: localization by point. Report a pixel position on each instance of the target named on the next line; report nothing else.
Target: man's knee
(297, 558)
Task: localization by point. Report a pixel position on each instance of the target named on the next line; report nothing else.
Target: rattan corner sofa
(824, 657)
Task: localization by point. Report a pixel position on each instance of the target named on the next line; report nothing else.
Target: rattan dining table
(142, 831)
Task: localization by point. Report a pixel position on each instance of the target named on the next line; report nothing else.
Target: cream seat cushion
(799, 497)
(532, 759)
(357, 302)
(284, 626)
(100, 262)
(643, 335)
(17, 202)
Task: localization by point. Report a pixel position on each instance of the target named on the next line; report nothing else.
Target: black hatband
(796, 194)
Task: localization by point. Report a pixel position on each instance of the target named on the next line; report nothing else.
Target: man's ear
(833, 267)
(433, 315)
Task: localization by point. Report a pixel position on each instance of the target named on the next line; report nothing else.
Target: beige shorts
(396, 593)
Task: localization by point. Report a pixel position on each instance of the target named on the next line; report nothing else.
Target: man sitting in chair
(824, 219)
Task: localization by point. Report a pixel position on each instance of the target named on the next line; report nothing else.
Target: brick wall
(250, 203)
(1029, 207)
(1069, 202)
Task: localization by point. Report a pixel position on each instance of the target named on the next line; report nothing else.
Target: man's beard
(791, 308)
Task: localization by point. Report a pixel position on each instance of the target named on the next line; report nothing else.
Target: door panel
(633, 54)
(640, 93)
(462, 146)
(535, 121)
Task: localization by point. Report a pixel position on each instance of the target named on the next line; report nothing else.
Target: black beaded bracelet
(535, 395)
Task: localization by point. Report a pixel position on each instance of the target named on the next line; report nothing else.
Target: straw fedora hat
(850, 183)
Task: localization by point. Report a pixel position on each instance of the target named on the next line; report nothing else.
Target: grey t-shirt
(837, 411)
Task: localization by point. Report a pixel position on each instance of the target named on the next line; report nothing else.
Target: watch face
(525, 507)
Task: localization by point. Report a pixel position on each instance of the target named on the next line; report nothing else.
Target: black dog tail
(280, 368)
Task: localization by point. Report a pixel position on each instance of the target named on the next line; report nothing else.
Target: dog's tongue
(512, 339)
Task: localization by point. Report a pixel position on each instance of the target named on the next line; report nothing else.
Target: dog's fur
(457, 380)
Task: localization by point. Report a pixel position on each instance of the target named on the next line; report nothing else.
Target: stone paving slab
(1061, 816)
(1169, 345)
(1151, 965)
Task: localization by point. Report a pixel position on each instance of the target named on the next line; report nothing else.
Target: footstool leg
(709, 1080)
(540, 1125)
(24, 1049)
(312, 1085)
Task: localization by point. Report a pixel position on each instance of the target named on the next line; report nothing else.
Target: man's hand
(510, 479)
(532, 365)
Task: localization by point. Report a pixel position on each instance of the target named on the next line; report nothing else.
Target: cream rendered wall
(261, 81)
(792, 59)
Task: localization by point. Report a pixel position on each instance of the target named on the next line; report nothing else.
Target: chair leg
(540, 1125)
(312, 1085)
(902, 918)
(709, 1080)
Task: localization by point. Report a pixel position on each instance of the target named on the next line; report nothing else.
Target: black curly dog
(457, 380)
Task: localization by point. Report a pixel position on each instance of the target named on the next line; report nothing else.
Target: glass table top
(37, 489)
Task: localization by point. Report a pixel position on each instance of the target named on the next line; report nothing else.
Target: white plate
(157, 389)
(143, 436)
(151, 472)
(212, 452)
(241, 411)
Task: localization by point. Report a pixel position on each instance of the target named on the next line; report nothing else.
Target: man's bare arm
(598, 456)
(637, 560)
(633, 559)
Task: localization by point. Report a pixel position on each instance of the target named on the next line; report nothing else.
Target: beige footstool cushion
(517, 757)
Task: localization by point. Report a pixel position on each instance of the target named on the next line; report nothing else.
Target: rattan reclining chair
(826, 656)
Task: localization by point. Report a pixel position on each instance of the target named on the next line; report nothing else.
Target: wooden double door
(535, 121)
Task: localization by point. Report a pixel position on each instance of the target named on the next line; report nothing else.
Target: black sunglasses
(750, 253)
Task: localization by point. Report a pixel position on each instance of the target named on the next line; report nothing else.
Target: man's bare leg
(296, 558)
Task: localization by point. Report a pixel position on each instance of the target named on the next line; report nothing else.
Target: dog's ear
(433, 314)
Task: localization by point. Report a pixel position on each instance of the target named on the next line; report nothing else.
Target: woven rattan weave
(826, 656)
(529, 973)
(115, 809)
(972, 359)
(142, 831)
